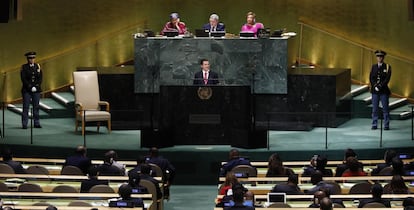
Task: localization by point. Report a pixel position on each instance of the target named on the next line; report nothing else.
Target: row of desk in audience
(73, 201)
(350, 201)
(298, 166)
(54, 166)
(263, 185)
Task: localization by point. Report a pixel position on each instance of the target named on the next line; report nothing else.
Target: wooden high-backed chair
(87, 101)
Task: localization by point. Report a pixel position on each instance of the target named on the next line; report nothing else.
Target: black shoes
(24, 127)
(38, 126)
(375, 128)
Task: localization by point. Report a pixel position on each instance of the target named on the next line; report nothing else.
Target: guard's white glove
(376, 89)
(34, 89)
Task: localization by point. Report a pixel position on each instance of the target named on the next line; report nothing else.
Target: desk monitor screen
(201, 33)
(276, 197)
(217, 33)
(171, 33)
(246, 34)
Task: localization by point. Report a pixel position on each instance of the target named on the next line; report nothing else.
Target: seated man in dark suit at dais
(205, 76)
(214, 24)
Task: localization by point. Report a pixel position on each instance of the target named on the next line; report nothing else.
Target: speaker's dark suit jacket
(212, 78)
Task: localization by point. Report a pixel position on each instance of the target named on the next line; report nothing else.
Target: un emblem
(204, 93)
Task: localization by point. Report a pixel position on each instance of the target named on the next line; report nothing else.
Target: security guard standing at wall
(31, 76)
(379, 77)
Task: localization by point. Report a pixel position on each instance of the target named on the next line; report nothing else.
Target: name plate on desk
(209, 119)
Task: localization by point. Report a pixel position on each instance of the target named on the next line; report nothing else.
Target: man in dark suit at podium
(205, 76)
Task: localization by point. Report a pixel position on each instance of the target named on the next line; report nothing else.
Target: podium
(205, 115)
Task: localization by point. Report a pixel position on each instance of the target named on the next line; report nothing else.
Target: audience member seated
(317, 197)
(376, 192)
(8, 159)
(409, 166)
(167, 168)
(114, 157)
(107, 168)
(79, 159)
(326, 204)
(317, 180)
(125, 192)
(50, 208)
(228, 183)
(92, 180)
(137, 168)
(238, 199)
(133, 181)
(409, 201)
(354, 168)
(397, 167)
(396, 186)
(388, 156)
(145, 175)
(234, 160)
(319, 163)
(248, 199)
(290, 188)
(174, 25)
(275, 167)
(340, 169)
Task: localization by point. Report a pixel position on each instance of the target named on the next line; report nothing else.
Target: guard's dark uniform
(379, 77)
(31, 76)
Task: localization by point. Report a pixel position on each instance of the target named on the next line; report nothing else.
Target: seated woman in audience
(290, 188)
(341, 168)
(231, 180)
(275, 167)
(317, 163)
(354, 168)
(396, 186)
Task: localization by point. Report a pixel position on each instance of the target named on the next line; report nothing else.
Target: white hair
(214, 16)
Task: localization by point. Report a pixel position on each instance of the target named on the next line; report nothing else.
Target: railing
(324, 125)
(350, 54)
